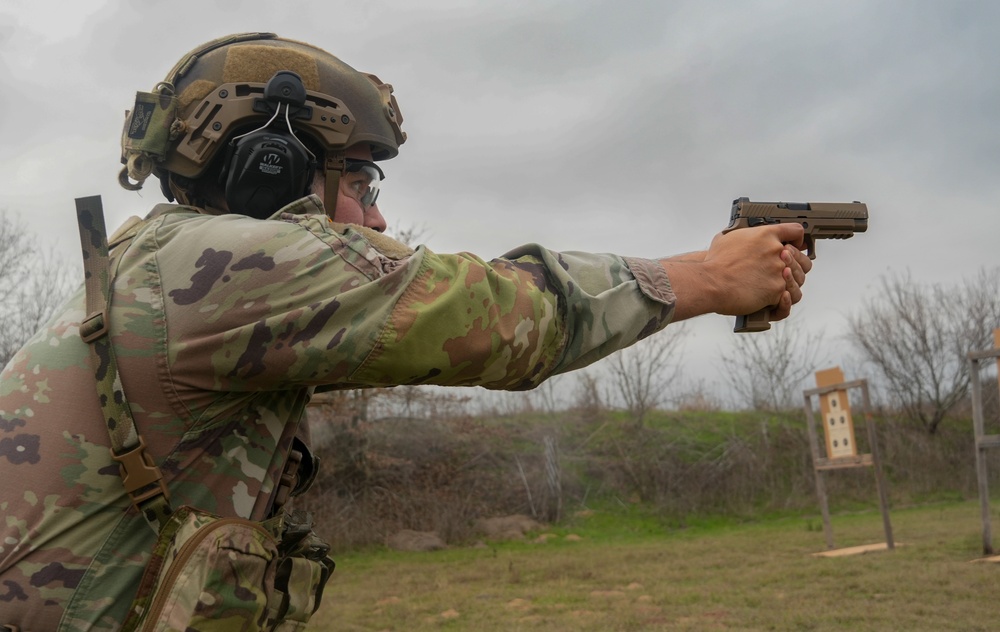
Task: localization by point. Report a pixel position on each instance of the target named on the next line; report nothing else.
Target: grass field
(628, 572)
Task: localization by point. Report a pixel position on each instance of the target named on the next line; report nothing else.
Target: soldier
(272, 277)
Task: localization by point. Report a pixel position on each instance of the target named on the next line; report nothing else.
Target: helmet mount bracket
(284, 88)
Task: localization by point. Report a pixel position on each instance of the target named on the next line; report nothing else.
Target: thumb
(790, 233)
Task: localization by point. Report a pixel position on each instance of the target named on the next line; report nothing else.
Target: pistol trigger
(810, 247)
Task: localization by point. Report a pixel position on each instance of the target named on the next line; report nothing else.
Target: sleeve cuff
(652, 279)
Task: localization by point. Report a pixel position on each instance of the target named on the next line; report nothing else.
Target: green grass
(628, 571)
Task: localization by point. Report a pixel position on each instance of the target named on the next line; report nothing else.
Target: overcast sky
(598, 125)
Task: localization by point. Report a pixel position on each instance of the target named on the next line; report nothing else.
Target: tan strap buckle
(94, 326)
(139, 472)
(289, 477)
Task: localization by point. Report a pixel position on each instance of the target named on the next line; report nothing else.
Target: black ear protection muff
(270, 167)
(266, 170)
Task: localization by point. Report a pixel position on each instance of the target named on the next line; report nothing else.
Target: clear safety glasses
(365, 188)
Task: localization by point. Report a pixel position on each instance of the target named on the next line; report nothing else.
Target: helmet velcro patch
(198, 90)
(257, 64)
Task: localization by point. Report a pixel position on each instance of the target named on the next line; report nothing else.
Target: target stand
(840, 449)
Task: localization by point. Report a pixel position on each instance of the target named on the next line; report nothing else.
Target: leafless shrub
(643, 373)
(424, 402)
(738, 475)
(443, 475)
(589, 400)
(404, 473)
(767, 369)
(698, 397)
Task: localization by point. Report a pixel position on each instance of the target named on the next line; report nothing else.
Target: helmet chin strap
(333, 167)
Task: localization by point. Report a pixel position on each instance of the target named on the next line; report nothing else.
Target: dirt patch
(407, 540)
(512, 527)
(606, 594)
(519, 604)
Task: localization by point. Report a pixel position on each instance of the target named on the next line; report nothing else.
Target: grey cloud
(611, 126)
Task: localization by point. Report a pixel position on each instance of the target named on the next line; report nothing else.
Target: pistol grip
(758, 321)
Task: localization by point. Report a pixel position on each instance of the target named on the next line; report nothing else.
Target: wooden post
(996, 345)
(983, 441)
(883, 491)
(824, 505)
(981, 475)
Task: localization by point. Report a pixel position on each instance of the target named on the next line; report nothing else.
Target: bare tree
(33, 282)
(15, 248)
(548, 396)
(46, 283)
(766, 370)
(917, 336)
(643, 373)
(409, 235)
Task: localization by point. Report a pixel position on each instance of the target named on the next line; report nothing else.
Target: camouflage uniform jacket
(223, 325)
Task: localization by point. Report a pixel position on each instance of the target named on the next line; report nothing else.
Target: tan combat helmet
(217, 92)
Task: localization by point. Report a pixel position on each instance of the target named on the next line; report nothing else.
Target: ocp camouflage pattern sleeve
(512, 322)
(223, 325)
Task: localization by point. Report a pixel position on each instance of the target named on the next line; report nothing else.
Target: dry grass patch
(752, 577)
